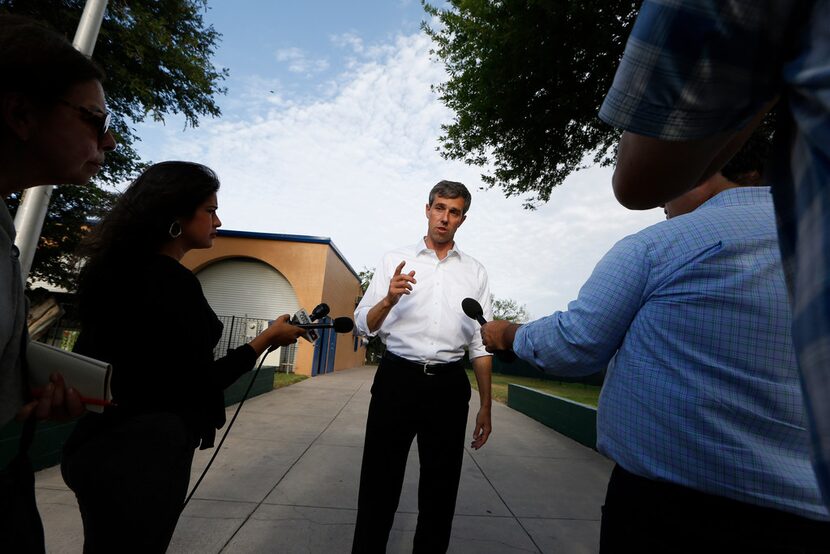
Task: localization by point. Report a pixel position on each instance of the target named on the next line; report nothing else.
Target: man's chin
(74, 180)
(79, 178)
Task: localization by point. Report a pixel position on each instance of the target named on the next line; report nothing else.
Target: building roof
(289, 238)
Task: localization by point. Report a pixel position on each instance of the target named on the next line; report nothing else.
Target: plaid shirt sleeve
(695, 68)
(583, 339)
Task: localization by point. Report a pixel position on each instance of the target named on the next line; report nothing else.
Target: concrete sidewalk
(286, 481)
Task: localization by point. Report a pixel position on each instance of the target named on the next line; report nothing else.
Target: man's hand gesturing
(400, 284)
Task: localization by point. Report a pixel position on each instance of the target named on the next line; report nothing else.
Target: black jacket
(151, 321)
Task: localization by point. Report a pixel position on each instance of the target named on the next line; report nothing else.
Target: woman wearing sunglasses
(53, 130)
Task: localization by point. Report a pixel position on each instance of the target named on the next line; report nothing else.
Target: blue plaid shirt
(702, 388)
(692, 69)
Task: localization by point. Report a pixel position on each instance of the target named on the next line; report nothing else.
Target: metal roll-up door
(246, 287)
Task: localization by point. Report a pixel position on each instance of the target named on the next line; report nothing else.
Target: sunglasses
(101, 121)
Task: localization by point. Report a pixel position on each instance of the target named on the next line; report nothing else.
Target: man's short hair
(451, 189)
(746, 168)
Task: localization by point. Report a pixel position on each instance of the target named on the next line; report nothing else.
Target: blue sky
(329, 128)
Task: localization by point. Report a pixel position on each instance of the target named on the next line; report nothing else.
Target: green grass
(578, 392)
(285, 379)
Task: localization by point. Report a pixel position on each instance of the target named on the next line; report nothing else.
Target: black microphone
(473, 310)
(301, 316)
(321, 311)
(340, 325)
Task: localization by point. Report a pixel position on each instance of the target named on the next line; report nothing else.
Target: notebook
(90, 377)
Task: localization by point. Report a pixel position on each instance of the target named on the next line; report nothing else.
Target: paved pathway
(286, 481)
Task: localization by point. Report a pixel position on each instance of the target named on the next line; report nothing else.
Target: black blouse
(151, 321)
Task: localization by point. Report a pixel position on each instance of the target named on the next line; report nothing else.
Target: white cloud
(351, 40)
(356, 165)
(299, 61)
(252, 94)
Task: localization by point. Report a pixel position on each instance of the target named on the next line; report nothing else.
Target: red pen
(96, 401)
(37, 392)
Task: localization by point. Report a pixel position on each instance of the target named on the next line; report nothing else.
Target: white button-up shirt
(428, 325)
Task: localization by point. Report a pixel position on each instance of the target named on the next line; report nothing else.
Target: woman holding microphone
(145, 313)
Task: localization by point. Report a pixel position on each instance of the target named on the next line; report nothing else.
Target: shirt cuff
(361, 324)
(521, 343)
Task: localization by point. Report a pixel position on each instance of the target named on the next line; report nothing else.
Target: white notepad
(88, 376)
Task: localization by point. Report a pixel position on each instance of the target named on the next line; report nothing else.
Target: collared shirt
(428, 325)
(692, 69)
(703, 389)
(12, 321)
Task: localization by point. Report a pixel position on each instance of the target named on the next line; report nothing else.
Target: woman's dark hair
(38, 62)
(139, 223)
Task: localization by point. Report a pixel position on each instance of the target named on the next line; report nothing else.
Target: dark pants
(21, 530)
(130, 480)
(645, 516)
(406, 404)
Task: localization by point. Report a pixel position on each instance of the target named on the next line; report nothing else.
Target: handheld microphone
(473, 310)
(301, 317)
(340, 325)
(321, 311)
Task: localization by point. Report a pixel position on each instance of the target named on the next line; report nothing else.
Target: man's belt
(427, 369)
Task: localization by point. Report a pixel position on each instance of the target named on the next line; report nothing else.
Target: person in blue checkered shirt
(695, 79)
(701, 407)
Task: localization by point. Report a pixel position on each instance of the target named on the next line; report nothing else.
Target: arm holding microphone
(285, 330)
(340, 325)
(498, 335)
(238, 361)
(583, 339)
(279, 333)
(503, 350)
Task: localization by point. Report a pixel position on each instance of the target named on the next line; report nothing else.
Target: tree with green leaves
(509, 310)
(365, 277)
(157, 56)
(526, 80)
(374, 346)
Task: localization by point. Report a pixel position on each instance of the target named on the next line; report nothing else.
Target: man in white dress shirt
(421, 389)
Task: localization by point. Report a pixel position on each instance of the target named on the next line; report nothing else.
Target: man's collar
(737, 196)
(422, 247)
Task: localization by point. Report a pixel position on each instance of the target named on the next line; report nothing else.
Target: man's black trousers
(651, 517)
(406, 403)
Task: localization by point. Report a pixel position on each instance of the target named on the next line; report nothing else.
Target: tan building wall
(315, 271)
(339, 288)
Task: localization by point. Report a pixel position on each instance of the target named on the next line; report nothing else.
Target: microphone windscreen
(343, 324)
(321, 311)
(472, 308)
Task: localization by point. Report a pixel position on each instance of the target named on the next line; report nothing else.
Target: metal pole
(32, 210)
(230, 333)
(88, 27)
